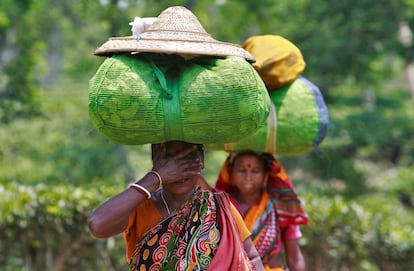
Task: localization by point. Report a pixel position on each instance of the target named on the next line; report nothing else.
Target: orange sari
(278, 208)
(200, 235)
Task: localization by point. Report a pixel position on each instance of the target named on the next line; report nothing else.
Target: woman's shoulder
(147, 210)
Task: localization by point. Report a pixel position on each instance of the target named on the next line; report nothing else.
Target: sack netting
(300, 122)
(149, 98)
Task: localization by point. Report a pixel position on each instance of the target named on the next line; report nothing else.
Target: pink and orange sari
(200, 235)
(278, 208)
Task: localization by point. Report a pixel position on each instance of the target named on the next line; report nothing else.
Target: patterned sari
(261, 219)
(199, 235)
(278, 207)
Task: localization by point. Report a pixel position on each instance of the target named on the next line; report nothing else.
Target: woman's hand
(175, 164)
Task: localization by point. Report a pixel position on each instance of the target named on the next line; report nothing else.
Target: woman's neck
(175, 200)
(248, 198)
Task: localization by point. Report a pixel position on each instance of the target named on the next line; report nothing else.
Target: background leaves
(55, 167)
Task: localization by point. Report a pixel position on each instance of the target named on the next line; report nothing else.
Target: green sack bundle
(150, 98)
(297, 123)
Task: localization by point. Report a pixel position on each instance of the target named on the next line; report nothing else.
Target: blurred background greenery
(358, 185)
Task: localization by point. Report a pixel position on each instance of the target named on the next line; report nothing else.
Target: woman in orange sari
(266, 198)
(170, 223)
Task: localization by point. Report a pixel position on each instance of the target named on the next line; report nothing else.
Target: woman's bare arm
(111, 217)
(294, 256)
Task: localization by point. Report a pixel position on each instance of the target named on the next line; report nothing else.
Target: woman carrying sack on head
(177, 226)
(168, 221)
(263, 193)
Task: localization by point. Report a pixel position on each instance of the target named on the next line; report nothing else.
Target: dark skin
(249, 174)
(179, 164)
(111, 217)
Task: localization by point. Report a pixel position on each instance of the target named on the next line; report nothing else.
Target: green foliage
(328, 28)
(374, 234)
(65, 168)
(367, 136)
(19, 89)
(61, 146)
(45, 228)
(347, 32)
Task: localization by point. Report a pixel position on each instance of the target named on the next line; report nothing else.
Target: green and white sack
(150, 98)
(297, 123)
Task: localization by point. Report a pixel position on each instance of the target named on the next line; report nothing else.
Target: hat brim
(209, 48)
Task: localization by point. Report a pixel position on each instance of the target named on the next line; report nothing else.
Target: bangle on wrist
(158, 177)
(142, 190)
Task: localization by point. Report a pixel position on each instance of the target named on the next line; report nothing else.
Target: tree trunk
(409, 77)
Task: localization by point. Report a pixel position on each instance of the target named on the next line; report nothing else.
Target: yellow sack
(278, 61)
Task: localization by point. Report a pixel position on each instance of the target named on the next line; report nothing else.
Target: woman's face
(174, 148)
(248, 173)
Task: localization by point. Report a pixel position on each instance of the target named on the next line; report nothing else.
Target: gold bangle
(158, 177)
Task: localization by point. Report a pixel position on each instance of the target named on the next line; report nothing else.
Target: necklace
(165, 202)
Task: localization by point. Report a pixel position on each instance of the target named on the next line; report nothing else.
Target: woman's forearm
(111, 217)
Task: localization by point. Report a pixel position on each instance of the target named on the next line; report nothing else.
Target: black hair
(266, 158)
(155, 148)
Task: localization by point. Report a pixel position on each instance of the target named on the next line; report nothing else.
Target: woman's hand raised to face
(177, 160)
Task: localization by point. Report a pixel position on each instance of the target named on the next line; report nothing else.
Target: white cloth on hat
(139, 25)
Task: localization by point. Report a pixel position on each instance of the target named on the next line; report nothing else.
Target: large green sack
(297, 123)
(149, 98)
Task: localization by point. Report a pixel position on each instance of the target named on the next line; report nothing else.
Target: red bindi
(249, 166)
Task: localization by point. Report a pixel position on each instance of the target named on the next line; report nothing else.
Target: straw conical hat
(175, 31)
